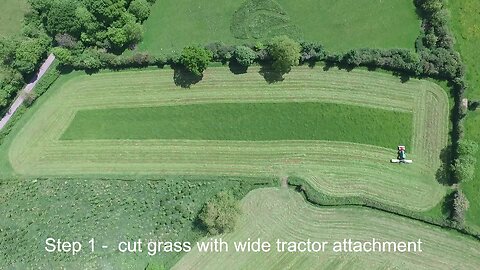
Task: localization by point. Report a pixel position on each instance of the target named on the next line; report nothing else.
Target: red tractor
(401, 156)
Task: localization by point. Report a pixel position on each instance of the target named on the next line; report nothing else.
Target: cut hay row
(335, 168)
(264, 216)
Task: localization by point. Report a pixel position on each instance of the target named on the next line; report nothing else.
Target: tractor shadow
(185, 78)
(443, 173)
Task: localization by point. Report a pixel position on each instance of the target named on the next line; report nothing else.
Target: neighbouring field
(271, 214)
(162, 209)
(12, 16)
(34, 148)
(465, 21)
(339, 25)
(472, 188)
(246, 122)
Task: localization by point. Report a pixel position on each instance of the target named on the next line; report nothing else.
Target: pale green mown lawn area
(339, 25)
(271, 214)
(465, 21)
(12, 16)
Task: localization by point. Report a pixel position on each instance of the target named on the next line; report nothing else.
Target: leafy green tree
(285, 53)
(29, 52)
(4, 98)
(89, 59)
(7, 50)
(195, 59)
(220, 214)
(61, 18)
(140, 9)
(117, 36)
(41, 6)
(467, 147)
(460, 207)
(244, 56)
(63, 55)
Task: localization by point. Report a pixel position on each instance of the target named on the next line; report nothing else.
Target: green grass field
(339, 25)
(34, 148)
(465, 21)
(12, 16)
(245, 122)
(109, 211)
(275, 213)
(472, 188)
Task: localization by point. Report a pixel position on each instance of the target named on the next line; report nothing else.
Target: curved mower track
(335, 168)
(271, 214)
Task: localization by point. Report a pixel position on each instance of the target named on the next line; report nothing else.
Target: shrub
(285, 53)
(312, 51)
(464, 168)
(467, 147)
(30, 98)
(464, 165)
(65, 40)
(140, 9)
(393, 59)
(244, 56)
(460, 207)
(220, 51)
(220, 214)
(473, 105)
(195, 59)
(63, 55)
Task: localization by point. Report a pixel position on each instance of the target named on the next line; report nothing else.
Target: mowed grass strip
(271, 214)
(246, 122)
(339, 25)
(338, 168)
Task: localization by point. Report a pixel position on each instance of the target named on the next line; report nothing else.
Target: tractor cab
(401, 155)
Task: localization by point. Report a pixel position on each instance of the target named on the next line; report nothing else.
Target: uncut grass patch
(246, 122)
(339, 25)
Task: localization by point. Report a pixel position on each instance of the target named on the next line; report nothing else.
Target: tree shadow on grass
(443, 173)
(270, 75)
(447, 206)
(236, 68)
(185, 78)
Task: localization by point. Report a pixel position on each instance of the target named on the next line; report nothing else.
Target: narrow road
(27, 89)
